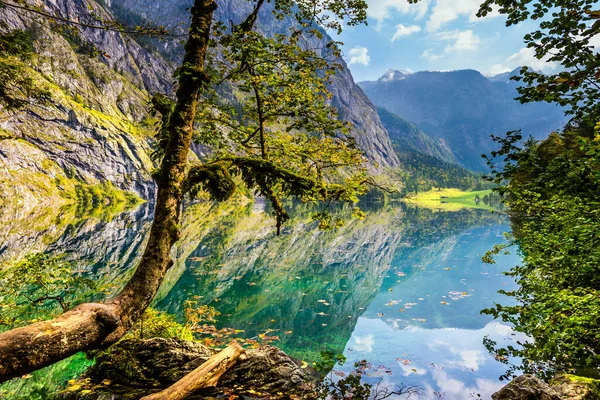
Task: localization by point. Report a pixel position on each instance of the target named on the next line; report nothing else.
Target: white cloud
(431, 55)
(460, 41)
(359, 55)
(380, 10)
(364, 343)
(403, 31)
(499, 69)
(524, 57)
(446, 11)
(595, 42)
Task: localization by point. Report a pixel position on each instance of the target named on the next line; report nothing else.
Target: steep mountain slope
(83, 123)
(353, 105)
(407, 138)
(90, 122)
(427, 162)
(462, 107)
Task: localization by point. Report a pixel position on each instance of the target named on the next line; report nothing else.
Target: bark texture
(206, 375)
(90, 326)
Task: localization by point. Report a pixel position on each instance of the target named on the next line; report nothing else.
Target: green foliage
(38, 287)
(17, 88)
(45, 384)
(17, 43)
(328, 361)
(286, 137)
(551, 189)
(154, 323)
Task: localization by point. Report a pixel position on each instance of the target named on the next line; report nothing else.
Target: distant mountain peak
(393, 75)
(505, 76)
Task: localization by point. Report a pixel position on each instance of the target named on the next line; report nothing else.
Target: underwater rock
(134, 368)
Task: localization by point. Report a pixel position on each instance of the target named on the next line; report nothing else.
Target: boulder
(134, 368)
(526, 387)
(576, 388)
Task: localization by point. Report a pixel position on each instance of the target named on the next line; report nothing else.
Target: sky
(435, 35)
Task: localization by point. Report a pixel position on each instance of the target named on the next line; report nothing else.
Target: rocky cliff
(91, 124)
(351, 102)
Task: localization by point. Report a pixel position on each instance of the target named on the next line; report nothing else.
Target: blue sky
(435, 35)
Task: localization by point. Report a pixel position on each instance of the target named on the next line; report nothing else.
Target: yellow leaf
(74, 388)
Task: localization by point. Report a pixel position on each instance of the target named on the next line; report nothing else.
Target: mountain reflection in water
(402, 288)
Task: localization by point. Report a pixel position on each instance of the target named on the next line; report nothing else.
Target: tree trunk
(91, 326)
(204, 376)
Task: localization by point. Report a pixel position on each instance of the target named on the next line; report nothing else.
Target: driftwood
(204, 376)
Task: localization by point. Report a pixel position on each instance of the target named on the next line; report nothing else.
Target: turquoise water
(426, 327)
(402, 289)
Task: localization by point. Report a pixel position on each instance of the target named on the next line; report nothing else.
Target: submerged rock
(564, 387)
(134, 368)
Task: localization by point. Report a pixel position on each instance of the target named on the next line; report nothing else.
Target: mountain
(463, 108)
(426, 162)
(84, 120)
(407, 138)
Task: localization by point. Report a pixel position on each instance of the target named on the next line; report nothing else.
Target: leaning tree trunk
(91, 326)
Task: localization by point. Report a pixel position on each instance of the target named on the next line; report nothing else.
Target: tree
(262, 155)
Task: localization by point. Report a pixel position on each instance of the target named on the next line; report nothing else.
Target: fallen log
(206, 375)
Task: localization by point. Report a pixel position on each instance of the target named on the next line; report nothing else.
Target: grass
(449, 199)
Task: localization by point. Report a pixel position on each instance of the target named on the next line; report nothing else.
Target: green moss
(588, 381)
(4, 134)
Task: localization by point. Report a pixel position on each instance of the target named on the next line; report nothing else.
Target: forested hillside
(462, 108)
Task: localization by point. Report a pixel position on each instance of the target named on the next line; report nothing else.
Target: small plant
(37, 287)
(154, 323)
(341, 386)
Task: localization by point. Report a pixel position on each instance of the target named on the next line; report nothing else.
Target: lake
(402, 288)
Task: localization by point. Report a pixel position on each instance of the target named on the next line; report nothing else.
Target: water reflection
(402, 288)
(426, 327)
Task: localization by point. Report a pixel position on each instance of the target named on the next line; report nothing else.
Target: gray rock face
(91, 128)
(87, 129)
(352, 103)
(563, 387)
(135, 368)
(576, 388)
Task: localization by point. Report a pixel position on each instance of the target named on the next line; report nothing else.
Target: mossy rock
(576, 387)
(134, 368)
(526, 387)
